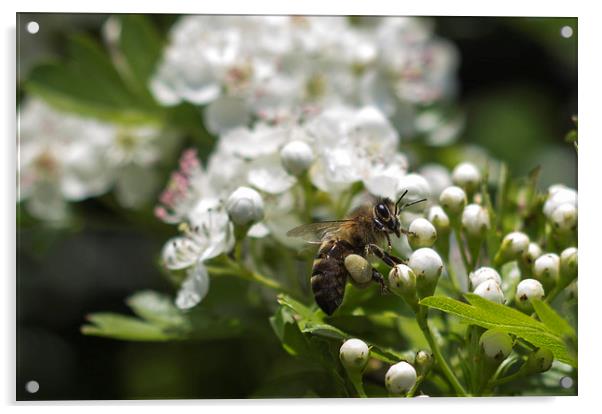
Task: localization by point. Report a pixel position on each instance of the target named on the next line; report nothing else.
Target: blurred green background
(518, 91)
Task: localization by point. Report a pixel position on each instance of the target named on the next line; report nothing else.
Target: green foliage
(89, 84)
(491, 315)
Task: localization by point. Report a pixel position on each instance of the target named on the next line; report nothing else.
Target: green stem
(461, 248)
(445, 368)
(555, 292)
(413, 390)
(358, 384)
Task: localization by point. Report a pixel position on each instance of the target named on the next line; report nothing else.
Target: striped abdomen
(329, 274)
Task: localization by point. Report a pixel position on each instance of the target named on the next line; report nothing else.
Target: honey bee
(360, 234)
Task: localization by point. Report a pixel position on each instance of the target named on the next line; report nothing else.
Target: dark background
(518, 88)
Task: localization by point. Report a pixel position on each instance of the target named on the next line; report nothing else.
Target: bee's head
(386, 214)
(385, 217)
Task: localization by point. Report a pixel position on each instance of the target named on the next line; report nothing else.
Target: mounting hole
(566, 382)
(33, 27)
(32, 387)
(566, 32)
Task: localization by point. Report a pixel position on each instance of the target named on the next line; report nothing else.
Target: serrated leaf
(123, 327)
(288, 332)
(553, 320)
(491, 315)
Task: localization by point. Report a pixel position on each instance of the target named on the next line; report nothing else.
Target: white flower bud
(439, 219)
(354, 354)
(426, 264)
(516, 243)
(528, 289)
(546, 268)
(422, 233)
(475, 220)
(495, 344)
(483, 274)
(244, 206)
(402, 281)
(359, 268)
(423, 361)
(532, 253)
(564, 217)
(296, 156)
(557, 195)
(490, 290)
(400, 378)
(453, 200)
(568, 264)
(467, 176)
(540, 360)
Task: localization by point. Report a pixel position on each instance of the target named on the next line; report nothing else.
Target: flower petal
(194, 288)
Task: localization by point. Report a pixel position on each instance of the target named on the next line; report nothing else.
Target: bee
(360, 234)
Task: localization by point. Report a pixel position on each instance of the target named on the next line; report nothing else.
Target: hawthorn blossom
(65, 157)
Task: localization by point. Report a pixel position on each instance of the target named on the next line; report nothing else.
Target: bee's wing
(315, 232)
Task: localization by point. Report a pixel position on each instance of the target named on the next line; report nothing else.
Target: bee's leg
(389, 259)
(378, 278)
(388, 241)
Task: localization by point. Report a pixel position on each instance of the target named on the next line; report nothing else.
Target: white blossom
(490, 290)
(422, 233)
(483, 274)
(495, 344)
(400, 378)
(528, 289)
(453, 200)
(245, 206)
(354, 354)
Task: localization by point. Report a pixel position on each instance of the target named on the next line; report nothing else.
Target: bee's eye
(382, 211)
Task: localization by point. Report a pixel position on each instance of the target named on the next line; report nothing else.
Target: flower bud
(400, 378)
(528, 289)
(564, 218)
(467, 176)
(533, 252)
(245, 206)
(402, 282)
(513, 246)
(558, 195)
(495, 344)
(568, 265)
(422, 233)
(359, 268)
(490, 290)
(540, 360)
(483, 274)
(475, 220)
(453, 200)
(296, 157)
(354, 354)
(546, 269)
(439, 219)
(427, 266)
(423, 362)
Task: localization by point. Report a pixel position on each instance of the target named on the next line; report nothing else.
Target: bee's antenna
(413, 202)
(397, 210)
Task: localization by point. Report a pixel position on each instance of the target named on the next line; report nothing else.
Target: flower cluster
(64, 157)
(280, 68)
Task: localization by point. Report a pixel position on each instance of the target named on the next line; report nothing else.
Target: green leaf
(491, 315)
(141, 46)
(553, 320)
(311, 322)
(123, 327)
(288, 332)
(157, 309)
(89, 85)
